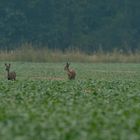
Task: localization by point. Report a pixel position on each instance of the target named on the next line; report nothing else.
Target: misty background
(88, 25)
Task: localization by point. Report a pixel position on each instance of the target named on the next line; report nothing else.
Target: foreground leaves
(83, 109)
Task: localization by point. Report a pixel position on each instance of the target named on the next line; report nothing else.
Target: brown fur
(71, 73)
(10, 75)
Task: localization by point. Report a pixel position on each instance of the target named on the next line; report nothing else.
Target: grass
(102, 103)
(28, 53)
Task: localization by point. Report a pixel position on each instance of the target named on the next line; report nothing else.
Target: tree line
(88, 25)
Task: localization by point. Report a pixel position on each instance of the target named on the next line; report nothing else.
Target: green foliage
(102, 103)
(85, 24)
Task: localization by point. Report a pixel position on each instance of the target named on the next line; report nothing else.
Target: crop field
(102, 103)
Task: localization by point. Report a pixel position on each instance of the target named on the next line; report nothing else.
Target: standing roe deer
(71, 73)
(10, 75)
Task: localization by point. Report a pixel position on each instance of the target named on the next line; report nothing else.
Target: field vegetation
(102, 103)
(101, 41)
(28, 52)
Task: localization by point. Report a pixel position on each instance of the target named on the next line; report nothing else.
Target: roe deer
(71, 73)
(10, 75)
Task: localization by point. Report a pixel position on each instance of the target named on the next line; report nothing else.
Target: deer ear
(5, 64)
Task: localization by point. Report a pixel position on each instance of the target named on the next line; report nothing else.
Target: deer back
(71, 74)
(11, 76)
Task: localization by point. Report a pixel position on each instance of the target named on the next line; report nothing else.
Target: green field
(102, 103)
